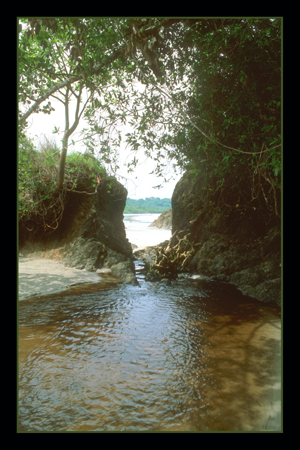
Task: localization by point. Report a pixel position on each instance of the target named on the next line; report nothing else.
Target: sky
(139, 183)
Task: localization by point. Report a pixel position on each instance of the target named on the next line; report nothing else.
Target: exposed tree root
(172, 259)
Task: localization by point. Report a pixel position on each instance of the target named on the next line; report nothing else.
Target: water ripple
(135, 359)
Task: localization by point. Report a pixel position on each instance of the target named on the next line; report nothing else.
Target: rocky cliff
(231, 245)
(91, 234)
(164, 221)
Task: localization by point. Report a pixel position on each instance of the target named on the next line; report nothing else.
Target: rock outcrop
(229, 245)
(164, 221)
(91, 234)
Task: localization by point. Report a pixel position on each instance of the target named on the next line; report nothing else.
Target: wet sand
(39, 277)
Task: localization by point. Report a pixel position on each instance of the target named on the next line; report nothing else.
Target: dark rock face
(230, 246)
(105, 223)
(92, 234)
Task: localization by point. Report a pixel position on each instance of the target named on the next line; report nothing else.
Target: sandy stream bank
(39, 277)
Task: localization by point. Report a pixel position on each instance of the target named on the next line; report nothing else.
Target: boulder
(268, 291)
(164, 221)
(125, 272)
(91, 234)
(105, 222)
(85, 254)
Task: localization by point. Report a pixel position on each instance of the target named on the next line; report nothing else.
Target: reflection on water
(192, 356)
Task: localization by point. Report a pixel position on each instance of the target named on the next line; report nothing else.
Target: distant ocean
(139, 233)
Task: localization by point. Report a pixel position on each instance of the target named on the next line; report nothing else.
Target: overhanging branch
(47, 94)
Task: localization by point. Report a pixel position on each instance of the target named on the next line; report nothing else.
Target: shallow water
(194, 356)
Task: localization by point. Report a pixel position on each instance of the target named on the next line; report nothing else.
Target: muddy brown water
(194, 356)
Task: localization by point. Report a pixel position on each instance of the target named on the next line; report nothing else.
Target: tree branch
(47, 94)
(118, 53)
(59, 99)
(66, 111)
(77, 116)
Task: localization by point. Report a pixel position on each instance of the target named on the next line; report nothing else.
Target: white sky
(142, 187)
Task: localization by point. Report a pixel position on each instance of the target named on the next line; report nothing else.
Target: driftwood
(174, 258)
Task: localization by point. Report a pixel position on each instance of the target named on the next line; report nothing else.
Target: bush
(40, 204)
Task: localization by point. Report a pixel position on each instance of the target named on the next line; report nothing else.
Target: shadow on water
(193, 356)
(245, 357)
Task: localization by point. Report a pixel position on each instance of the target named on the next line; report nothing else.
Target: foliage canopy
(204, 93)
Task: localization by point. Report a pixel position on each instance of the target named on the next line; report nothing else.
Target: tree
(218, 111)
(210, 98)
(53, 47)
(73, 54)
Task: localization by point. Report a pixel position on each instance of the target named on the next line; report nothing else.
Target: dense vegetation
(236, 112)
(148, 205)
(204, 94)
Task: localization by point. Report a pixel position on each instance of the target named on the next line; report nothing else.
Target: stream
(193, 356)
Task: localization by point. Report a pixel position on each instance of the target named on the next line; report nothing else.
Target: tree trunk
(64, 150)
(46, 95)
(67, 134)
(62, 161)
